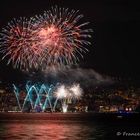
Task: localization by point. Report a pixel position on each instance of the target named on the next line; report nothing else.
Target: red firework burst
(55, 38)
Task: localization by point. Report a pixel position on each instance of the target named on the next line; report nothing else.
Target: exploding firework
(76, 91)
(56, 37)
(44, 96)
(66, 94)
(62, 35)
(18, 44)
(61, 92)
(72, 92)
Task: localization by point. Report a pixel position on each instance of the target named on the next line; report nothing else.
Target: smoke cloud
(85, 77)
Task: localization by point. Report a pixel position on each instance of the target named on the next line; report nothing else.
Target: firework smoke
(86, 77)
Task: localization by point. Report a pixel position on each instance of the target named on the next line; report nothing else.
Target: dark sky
(115, 41)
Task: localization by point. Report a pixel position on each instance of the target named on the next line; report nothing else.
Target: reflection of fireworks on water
(55, 38)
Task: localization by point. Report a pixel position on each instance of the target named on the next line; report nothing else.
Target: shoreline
(89, 116)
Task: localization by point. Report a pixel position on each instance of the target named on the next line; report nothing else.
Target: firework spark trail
(66, 93)
(76, 91)
(62, 36)
(44, 95)
(19, 45)
(72, 92)
(56, 37)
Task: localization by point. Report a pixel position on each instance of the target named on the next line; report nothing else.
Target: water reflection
(52, 130)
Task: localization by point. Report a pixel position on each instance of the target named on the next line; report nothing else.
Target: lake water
(61, 130)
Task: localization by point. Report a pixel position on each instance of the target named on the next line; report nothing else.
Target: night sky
(115, 40)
